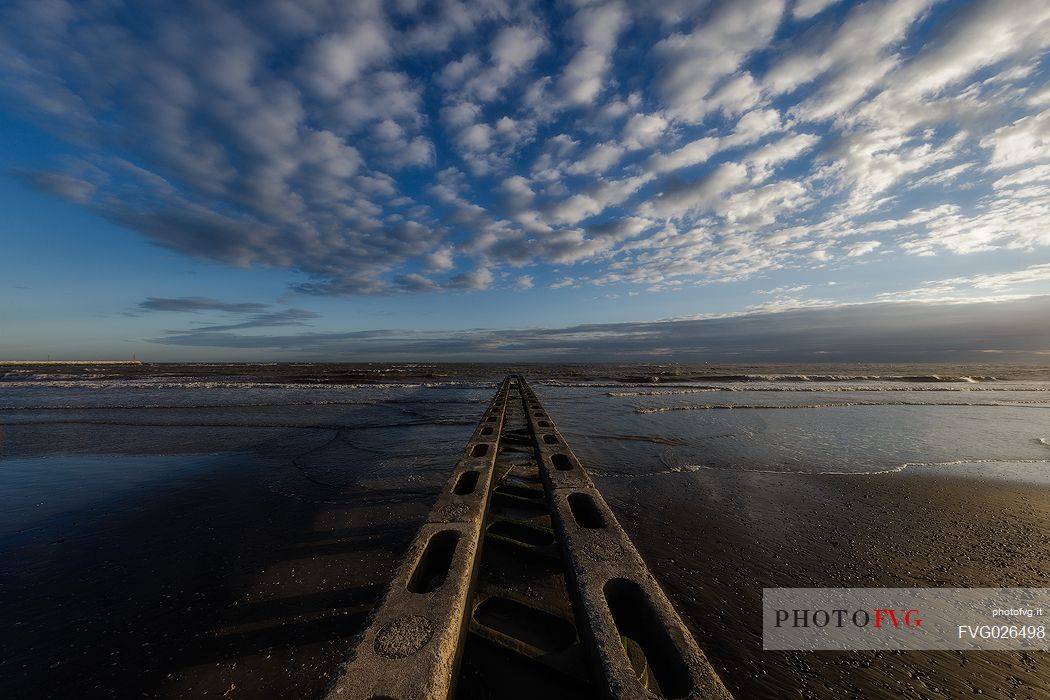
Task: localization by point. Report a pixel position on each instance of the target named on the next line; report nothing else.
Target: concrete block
(639, 646)
(411, 649)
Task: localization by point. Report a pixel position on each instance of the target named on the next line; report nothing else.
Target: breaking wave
(692, 468)
(834, 404)
(678, 380)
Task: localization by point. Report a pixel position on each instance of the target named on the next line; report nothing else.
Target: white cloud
(944, 176)
(763, 206)
(399, 150)
(751, 127)
(1033, 273)
(337, 59)
(514, 48)
(1015, 219)
(597, 28)
(693, 153)
(575, 209)
(599, 159)
(784, 290)
(478, 279)
(460, 113)
(476, 137)
(763, 161)
(1026, 140)
(693, 64)
(441, 260)
(737, 94)
(511, 52)
(983, 34)
(1027, 176)
(999, 286)
(415, 282)
(804, 9)
(862, 248)
(643, 130)
(867, 33)
(595, 200)
(704, 194)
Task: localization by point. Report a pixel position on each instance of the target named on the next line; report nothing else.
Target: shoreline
(33, 363)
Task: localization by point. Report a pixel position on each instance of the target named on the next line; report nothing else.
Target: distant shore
(8, 363)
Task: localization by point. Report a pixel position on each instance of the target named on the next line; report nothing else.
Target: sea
(92, 455)
(67, 432)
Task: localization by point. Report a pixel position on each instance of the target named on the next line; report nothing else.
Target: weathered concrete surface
(615, 595)
(410, 650)
(638, 645)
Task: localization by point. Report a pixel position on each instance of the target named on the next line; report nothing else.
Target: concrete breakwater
(522, 584)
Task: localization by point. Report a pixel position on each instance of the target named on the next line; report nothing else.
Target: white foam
(839, 404)
(689, 468)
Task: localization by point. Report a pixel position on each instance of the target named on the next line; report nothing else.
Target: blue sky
(297, 179)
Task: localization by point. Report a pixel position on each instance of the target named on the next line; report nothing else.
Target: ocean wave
(834, 404)
(164, 383)
(697, 390)
(677, 380)
(655, 439)
(692, 468)
(600, 384)
(188, 406)
(833, 389)
(889, 470)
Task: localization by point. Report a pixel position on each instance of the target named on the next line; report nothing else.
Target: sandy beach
(257, 598)
(234, 546)
(212, 588)
(716, 538)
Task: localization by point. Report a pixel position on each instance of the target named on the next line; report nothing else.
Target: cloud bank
(879, 332)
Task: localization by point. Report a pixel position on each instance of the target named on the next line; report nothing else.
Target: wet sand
(716, 538)
(216, 586)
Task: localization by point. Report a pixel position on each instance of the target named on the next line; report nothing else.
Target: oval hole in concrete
(480, 450)
(540, 414)
(543, 424)
(550, 439)
(637, 620)
(521, 533)
(561, 462)
(487, 431)
(432, 568)
(467, 482)
(537, 628)
(585, 512)
(492, 419)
